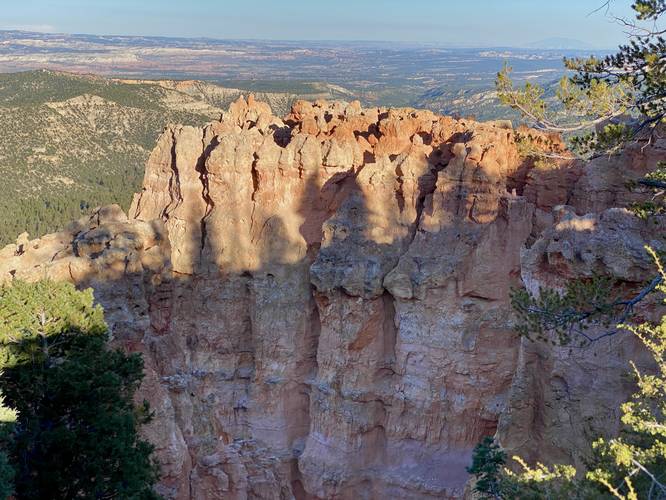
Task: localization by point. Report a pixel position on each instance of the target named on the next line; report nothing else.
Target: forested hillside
(72, 142)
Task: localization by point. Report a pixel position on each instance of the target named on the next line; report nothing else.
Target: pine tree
(76, 434)
(630, 466)
(606, 103)
(488, 460)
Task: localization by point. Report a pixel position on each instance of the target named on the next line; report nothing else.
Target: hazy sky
(456, 22)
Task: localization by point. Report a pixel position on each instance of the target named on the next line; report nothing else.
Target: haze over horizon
(476, 23)
(333, 249)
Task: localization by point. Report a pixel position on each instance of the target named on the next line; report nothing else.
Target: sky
(449, 22)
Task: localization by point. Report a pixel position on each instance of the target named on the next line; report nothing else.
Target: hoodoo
(322, 301)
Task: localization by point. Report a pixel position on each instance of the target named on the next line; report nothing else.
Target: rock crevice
(323, 301)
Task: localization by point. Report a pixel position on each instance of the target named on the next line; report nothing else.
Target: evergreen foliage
(630, 467)
(630, 82)
(488, 460)
(76, 433)
(587, 310)
(555, 316)
(76, 142)
(610, 101)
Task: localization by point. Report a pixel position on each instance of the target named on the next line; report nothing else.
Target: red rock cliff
(323, 301)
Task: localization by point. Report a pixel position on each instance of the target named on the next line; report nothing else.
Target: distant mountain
(558, 43)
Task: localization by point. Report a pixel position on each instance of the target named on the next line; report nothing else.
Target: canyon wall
(322, 301)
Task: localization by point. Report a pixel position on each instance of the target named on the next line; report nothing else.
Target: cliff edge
(322, 300)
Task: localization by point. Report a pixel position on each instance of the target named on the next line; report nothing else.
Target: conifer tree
(76, 433)
(631, 466)
(607, 102)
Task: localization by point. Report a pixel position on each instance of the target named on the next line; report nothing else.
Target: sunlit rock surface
(322, 301)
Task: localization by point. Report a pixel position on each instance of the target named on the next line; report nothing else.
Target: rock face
(564, 397)
(323, 301)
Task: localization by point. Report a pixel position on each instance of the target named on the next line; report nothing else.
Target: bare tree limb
(543, 124)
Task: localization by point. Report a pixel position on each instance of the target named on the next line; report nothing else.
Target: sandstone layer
(322, 301)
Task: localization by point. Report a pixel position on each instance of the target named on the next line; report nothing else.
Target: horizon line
(441, 44)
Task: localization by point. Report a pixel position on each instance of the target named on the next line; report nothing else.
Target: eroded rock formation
(323, 301)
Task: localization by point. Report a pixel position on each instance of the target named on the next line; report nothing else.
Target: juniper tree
(76, 433)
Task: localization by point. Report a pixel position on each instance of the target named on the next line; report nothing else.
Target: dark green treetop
(76, 434)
